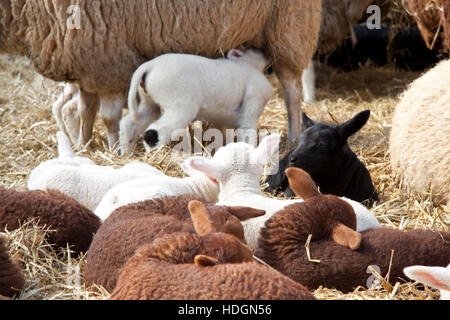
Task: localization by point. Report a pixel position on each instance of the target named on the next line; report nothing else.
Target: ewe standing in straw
(420, 137)
(99, 44)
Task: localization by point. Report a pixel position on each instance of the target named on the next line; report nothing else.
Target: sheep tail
(64, 148)
(137, 87)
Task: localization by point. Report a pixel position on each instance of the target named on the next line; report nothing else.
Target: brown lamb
(208, 265)
(133, 225)
(432, 16)
(282, 245)
(74, 224)
(99, 44)
(11, 277)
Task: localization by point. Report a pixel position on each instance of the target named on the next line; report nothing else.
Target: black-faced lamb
(324, 153)
(419, 145)
(179, 88)
(341, 264)
(74, 224)
(105, 46)
(11, 277)
(131, 226)
(208, 265)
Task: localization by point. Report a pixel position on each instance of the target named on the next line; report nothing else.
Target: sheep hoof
(151, 138)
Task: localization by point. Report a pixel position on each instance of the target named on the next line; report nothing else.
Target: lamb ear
(353, 125)
(245, 213)
(235, 54)
(346, 236)
(437, 277)
(307, 122)
(202, 260)
(200, 217)
(209, 167)
(301, 183)
(267, 147)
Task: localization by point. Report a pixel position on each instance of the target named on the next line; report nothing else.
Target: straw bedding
(27, 137)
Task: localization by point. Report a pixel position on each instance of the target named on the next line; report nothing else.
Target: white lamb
(437, 277)
(80, 177)
(238, 166)
(228, 92)
(156, 187)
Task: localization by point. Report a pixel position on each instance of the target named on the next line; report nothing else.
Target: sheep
(98, 45)
(437, 277)
(207, 265)
(237, 168)
(74, 224)
(430, 16)
(131, 226)
(324, 153)
(75, 112)
(418, 144)
(342, 256)
(338, 18)
(185, 87)
(11, 277)
(402, 47)
(80, 177)
(149, 188)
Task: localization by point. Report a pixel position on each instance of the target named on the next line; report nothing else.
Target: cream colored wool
(420, 137)
(115, 37)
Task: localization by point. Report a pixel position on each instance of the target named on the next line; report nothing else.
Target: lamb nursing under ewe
(102, 55)
(175, 89)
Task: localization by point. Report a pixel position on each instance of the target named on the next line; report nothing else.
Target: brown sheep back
(11, 277)
(170, 268)
(342, 263)
(133, 225)
(74, 224)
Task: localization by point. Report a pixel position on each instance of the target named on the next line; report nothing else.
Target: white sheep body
(419, 145)
(238, 167)
(155, 187)
(81, 178)
(229, 93)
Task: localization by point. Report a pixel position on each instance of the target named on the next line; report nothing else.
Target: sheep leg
(68, 91)
(111, 113)
(252, 108)
(160, 132)
(308, 82)
(133, 126)
(293, 97)
(71, 119)
(87, 110)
